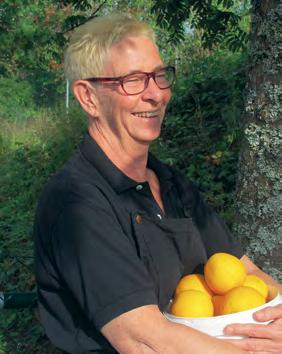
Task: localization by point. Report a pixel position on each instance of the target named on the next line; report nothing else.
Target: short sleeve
(99, 264)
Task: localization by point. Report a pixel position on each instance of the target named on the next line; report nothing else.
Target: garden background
(40, 125)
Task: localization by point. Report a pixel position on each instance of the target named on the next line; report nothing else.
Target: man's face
(136, 118)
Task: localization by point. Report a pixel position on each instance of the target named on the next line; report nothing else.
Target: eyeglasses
(135, 83)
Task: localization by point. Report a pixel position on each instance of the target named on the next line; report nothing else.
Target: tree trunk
(258, 194)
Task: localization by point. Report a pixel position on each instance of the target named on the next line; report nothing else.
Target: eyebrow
(116, 78)
(159, 67)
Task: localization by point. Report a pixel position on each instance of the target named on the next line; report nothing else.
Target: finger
(269, 313)
(254, 345)
(248, 330)
(270, 331)
(261, 353)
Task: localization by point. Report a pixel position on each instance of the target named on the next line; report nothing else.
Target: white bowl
(214, 326)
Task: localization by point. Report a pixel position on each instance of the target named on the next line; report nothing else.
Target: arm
(144, 330)
(262, 338)
(115, 292)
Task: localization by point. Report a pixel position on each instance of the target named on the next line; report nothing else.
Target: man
(115, 228)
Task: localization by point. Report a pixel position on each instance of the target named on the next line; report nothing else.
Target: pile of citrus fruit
(224, 288)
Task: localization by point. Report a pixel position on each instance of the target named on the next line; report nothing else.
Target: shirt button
(138, 218)
(159, 216)
(139, 187)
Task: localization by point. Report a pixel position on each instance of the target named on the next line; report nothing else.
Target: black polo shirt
(104, 247)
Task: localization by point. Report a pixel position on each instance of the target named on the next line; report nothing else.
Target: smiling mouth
(147, 114)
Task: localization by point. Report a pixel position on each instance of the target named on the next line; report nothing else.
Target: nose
(153, 92)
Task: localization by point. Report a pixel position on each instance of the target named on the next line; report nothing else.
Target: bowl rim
(273, 301)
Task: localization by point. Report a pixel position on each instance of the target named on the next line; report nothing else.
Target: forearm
(185, 340)
(146, 331)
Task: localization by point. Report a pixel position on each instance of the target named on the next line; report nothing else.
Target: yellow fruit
(193, 282)
(217, 301)
(258, 284)
(240, 299)
(192, 303)
(224, 272)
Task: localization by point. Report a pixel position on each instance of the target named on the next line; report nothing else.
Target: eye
(134, 79)
(161, 74)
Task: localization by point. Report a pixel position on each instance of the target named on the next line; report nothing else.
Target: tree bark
(258, 194)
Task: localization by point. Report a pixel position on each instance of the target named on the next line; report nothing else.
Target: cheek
(167, 96)
(128, 103)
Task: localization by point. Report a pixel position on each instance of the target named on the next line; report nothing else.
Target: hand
(262, 339)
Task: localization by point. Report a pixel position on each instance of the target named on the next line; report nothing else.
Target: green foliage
(84, 14)
(20, 334)
(16, 99)
(30, 153)
(217, 21)
(27, 162)
(202, 130)
(33, 34)
(31, 45)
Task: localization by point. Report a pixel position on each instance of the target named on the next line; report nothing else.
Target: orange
(217, 301)
(193, 282)
(224, 272)
(240, 299)
(192, 303)
(258, 284)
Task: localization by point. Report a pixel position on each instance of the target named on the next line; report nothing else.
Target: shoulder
(76, 183)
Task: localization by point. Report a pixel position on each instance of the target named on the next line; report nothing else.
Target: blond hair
(90, 43)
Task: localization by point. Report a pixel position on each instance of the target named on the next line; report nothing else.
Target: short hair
(90, 43)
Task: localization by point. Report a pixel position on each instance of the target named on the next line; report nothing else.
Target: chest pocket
(169, 248)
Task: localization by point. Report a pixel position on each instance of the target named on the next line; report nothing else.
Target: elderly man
(115, 228)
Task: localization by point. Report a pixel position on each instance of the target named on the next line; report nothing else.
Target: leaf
(73, 21)
(213, 22)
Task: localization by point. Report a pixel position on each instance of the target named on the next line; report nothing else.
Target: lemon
(193, 282)
(192, 303)
(258, 284)
(224, 272)
(240, 299)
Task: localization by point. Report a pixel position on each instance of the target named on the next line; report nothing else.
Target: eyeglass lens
(136, 83)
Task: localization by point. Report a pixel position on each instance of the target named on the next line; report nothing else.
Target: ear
(83, 92)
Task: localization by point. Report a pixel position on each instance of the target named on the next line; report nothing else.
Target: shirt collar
(114, 176)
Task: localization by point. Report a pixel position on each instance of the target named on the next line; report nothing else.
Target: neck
(131, 158)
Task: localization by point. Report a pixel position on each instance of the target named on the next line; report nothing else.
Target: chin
(148, 139)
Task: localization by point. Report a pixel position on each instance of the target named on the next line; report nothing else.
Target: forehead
(132, 54)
